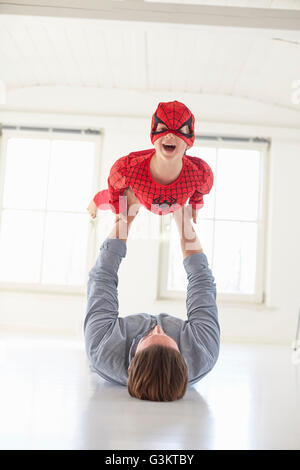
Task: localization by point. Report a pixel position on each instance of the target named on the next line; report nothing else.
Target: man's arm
(201, 304)
(189, 240)
(102, 290)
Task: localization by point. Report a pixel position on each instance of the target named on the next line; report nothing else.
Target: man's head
(156, 336)
(172, 124)
(158, 371)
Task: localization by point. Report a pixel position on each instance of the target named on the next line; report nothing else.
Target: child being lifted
(162, 178)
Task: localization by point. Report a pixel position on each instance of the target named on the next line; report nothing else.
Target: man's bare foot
(92, 208)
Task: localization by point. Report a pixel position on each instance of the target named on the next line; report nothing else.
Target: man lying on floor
(155, 356)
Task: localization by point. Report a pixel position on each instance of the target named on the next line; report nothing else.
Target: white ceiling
(38, 51)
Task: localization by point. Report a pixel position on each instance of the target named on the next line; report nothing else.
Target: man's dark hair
(158, 373)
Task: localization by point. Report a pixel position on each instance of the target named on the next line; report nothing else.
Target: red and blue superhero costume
(133, 170)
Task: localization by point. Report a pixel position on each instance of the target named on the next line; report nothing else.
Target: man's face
(179, 145)
(156, 336)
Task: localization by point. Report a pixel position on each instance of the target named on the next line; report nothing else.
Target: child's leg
(100, 201)
(92, 208)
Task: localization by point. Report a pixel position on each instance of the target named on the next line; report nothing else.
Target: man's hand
(190, 242)
(189, 213)
(133, 205)
(123, 221)
(183, 216)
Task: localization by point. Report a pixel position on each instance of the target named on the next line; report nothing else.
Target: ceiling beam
(148, 12)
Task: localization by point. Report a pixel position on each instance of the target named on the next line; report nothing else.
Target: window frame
(91, 239)
(258, 297)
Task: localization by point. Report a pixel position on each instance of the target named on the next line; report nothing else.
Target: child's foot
(92, 208)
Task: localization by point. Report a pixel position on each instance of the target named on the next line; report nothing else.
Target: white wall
(273, 322)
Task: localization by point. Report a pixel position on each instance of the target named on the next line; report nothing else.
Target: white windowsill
(238, 305)
(38, 289)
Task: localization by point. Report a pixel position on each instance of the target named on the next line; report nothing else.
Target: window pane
(235, 257)
(65, 249)
(21, 238)
(36, 246)
(209, 155)
(71, 173)
(237, 192)
(177, 277)
(26, 173)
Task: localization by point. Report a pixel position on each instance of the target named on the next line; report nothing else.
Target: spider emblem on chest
(157, 201)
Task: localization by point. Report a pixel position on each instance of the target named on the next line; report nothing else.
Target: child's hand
(195, 215)
(92, 208)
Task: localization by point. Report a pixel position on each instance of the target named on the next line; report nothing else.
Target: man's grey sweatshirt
(111, 340)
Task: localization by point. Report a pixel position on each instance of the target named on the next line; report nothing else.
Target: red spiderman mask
(174, 115)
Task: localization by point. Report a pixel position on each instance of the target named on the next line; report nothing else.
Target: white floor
(49, 399)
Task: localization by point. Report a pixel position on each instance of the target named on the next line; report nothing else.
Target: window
(230, 225)
(45, 187)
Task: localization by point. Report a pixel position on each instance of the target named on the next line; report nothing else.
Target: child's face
(179, 145)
